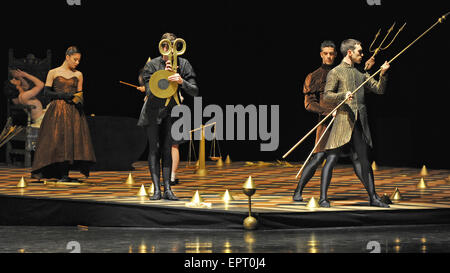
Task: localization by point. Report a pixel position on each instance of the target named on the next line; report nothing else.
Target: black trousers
(309, 170)
(360, 159)
(159, 146)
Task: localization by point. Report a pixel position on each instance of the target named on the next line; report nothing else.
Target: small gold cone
(130, 180)
(22, 183)
(312, 204)
(396, 195)
(142, 192)
(197, 198)
(424, 171)
(374, 166)
(422, 184)
(249, 184)
(228, 160)
(249, 187)
(151, 189)
(227, 197)
(219, 162)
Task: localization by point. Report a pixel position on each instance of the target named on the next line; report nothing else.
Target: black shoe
(324, 203)
(377, 203)
(173, 183)
(154, 171)
(385, 199)
(156, 195)
(75, 180)
(376, 197)
(297, 196)
(168, 194)
(64, 179)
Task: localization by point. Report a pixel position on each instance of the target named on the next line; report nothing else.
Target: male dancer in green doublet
(351, 124)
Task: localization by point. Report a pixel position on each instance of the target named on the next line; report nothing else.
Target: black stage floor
(384, 239)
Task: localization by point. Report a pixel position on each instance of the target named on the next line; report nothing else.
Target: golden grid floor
(275, 183)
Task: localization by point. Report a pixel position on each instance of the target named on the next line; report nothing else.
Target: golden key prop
(380, 47)
(159, 84)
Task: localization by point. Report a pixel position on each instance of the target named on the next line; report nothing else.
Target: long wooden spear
(440, 20)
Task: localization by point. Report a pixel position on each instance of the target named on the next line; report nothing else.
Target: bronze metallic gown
(64, 136)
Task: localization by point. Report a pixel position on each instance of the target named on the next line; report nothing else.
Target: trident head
(380, 47)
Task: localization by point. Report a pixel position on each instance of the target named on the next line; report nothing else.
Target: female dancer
(64, 141)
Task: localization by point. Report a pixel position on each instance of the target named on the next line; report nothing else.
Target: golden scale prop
(214, 146)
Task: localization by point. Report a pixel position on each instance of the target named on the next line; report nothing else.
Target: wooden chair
(24, 143)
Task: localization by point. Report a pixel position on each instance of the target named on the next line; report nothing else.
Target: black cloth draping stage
(31, 211)
(117, 141)
(106, 200)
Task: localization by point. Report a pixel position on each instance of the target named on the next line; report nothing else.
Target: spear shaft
(440, 20)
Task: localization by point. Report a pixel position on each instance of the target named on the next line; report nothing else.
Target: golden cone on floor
(396, 195)
(424, 171)
(227, 197)
(22, 183)
(198, 202)
(219, 162)
(422, 184)
(228, 160)
(142, 192)
(374, 166)
(312, 204)
(197, 198)
(151, 189)
(130, 180)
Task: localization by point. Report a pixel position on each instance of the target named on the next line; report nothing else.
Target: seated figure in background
(27, 95)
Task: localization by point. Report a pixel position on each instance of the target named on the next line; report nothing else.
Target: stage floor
(272, 202)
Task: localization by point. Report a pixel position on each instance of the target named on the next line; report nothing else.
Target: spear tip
(445, 15)
(441, 19)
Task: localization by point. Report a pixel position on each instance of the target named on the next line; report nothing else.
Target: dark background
(252, 52)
